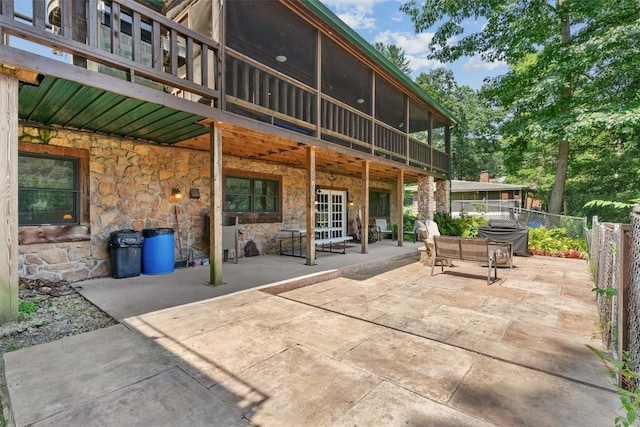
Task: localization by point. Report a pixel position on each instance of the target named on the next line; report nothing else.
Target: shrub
(465, 226)
(555, 242)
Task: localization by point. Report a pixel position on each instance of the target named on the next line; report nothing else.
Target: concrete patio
(383, 345)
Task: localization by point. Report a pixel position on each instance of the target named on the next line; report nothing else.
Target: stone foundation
(130, 187)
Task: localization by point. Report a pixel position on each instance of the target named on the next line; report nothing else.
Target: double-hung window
(253, 198)
(48, 189)
(379, 204)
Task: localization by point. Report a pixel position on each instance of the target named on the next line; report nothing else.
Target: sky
(382, 21)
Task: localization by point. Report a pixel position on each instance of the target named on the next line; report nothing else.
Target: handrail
(127, 40)
(159, 65)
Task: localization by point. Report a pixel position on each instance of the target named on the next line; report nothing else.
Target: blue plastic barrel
(158, 256)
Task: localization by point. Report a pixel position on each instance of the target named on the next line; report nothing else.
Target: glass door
(331, 214)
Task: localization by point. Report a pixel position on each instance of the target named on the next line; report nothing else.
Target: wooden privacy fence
(615, 265)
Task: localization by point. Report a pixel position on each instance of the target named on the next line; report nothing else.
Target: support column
(215, 200)
(426, 197)
(364, 233)
(400, 207)
(311, 205)
(442, 196)
(9, 277)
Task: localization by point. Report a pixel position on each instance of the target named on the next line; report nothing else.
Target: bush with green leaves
(464, 226)
(555, 242)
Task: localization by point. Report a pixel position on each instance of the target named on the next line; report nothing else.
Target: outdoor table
(300, 233)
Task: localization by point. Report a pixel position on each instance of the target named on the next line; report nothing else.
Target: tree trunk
(557, 194)
(555, 201)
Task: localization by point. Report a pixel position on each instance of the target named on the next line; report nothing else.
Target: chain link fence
(615, 264)
(632, 271)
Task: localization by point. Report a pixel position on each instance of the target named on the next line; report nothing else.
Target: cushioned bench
(470, 249)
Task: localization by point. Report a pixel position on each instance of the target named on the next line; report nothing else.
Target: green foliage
(464, 226)
(554, 242)
(407, 221)
(605, 292)
(13, 346)
(611, 211)
(630, 399)
(27, 306)
(394, 54)
(475, 140)
(573, 80)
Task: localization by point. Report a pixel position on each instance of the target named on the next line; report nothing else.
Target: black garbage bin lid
(125, 238)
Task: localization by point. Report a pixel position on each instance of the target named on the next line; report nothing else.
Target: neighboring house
(274, 112)
(474, 198)
(480, 197)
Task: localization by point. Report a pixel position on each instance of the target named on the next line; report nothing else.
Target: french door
(331, 214)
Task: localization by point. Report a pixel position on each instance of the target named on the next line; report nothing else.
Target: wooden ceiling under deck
(253, 145)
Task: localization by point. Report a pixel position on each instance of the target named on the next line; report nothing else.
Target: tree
(396, 55)
(475, 140)
(574, 72)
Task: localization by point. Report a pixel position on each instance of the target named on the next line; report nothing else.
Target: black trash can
(126, 253)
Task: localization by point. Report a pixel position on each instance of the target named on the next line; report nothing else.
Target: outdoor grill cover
(499, 230)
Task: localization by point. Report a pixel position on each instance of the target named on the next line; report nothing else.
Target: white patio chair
(382, 228)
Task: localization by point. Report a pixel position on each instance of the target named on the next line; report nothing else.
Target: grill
(499, 230)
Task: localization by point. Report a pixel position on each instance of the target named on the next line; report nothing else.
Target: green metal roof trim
(66, 103)
(330, 18)
(157, 5)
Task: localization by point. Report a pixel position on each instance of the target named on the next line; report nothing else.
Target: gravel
(60, 311)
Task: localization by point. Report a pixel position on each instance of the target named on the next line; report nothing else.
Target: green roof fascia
(156, 5)
(330, 18)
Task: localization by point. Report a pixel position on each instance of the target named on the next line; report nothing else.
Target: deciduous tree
(575, 71)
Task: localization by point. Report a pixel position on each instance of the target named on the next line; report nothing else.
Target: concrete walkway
(386, 346)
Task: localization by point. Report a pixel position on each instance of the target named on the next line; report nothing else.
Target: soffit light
(281, 58)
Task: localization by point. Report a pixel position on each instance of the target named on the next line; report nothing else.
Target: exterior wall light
(176, 193)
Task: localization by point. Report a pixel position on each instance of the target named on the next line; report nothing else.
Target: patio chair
(230, 239)
(417, 227)
(430, 230)
(382, 228)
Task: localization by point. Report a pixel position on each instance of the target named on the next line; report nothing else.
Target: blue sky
(381, 21)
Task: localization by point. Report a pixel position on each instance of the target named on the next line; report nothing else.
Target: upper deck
(120, 68)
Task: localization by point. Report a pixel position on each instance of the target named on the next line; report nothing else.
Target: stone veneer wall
(130, 188)
(426, 197)
(442, 196)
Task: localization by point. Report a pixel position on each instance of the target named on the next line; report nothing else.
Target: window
(378, 204)
(48, 189)
(53, 193)
(253, 198)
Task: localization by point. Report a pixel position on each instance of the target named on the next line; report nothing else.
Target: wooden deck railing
(121, 38)
(341, 121)
(124, 39)
(253, 86)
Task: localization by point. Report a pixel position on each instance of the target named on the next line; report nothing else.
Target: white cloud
(415, 47)
(357, 14)
(477, 63)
